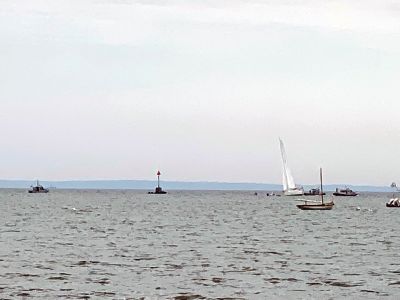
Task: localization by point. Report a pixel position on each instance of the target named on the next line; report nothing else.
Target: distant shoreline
(174, 185)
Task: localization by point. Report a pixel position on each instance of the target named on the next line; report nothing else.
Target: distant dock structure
(38, 188)
(158, 189)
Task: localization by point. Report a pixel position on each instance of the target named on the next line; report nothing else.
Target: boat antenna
(158, 175)
(322, 191)
(394, 187)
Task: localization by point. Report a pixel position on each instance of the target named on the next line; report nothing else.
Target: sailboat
(289, 187)
(316, 205)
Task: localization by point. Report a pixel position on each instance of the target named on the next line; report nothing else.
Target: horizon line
(191, 181)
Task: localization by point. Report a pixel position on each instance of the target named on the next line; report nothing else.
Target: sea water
(76, 244)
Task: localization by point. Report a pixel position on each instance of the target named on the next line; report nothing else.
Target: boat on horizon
(345, 192)
(38, 188)
(316, 205)
(289, 187)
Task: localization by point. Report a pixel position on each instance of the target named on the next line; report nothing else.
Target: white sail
(291, 184)
(284, 180)
(288, 181)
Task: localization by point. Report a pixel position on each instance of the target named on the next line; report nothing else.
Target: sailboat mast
(322, 191)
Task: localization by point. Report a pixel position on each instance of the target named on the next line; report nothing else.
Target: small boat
(394, 202)
(316, 205)
(313, 192)
(345, 192)
(38, 188)
(289, 187)
(158, 189)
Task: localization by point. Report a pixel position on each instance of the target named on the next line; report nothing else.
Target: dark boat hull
(345, 195)
(316, 206)
(38, 192)
(313, 194)
(391, 205)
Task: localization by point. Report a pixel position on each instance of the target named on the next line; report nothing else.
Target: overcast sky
(200, 90)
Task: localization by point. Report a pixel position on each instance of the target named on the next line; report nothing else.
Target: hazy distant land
(175, 185)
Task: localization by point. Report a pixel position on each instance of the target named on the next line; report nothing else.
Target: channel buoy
(158, 189)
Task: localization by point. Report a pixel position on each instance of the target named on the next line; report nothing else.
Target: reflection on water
(195, 245)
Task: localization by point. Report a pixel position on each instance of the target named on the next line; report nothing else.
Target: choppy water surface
(195, 245)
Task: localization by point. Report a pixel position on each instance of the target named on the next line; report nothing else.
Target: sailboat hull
(316, 206)
(294, 192)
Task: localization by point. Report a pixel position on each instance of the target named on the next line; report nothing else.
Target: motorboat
(394, 202)
(313, 192)
(345, 192)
